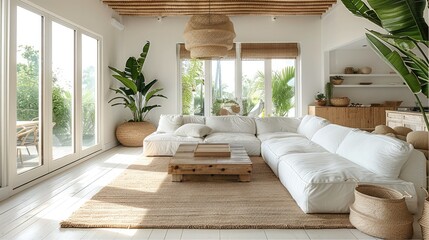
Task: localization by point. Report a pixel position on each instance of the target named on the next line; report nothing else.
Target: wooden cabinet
(413, 120)
(356, 117)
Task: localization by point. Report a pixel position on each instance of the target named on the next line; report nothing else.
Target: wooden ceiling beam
(234, 7)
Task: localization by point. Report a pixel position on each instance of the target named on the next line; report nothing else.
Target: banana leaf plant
(405, 45)
(135, 94)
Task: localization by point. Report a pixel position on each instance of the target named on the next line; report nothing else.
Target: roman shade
(269, 50)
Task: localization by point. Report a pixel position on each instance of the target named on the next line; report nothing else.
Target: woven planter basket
(424, 220)
(132, 134)
(381, 212)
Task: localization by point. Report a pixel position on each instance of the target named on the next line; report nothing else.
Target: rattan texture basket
(132, 134)
(340, 101)
(381, 212)
(424, 220)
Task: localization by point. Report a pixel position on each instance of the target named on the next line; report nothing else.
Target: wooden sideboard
(413, 120)
(365, 118)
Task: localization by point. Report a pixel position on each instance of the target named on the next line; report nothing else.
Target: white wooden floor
(36, 212)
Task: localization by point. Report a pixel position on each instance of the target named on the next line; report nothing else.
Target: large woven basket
(424, 220)
(132, 134)
(381, 212)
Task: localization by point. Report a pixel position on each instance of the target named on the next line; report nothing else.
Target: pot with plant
(320, 99)
(135, 95)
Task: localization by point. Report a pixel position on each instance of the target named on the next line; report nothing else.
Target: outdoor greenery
(283, 91)
(135, 93)
(405, 46)
(28, 96)
(192, 87)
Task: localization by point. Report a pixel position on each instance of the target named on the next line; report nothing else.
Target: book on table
(212, 150)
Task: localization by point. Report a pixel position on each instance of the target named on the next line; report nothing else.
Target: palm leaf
(148, 86)
(359, 8)
(143, 54)
(395, 61)
(117, 71)
(127, 83)
(152, 94)
(148, 108)
(402, 17)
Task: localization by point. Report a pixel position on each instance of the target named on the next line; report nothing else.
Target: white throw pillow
(380, 154)
(193, 130)
(168, 123)
(331, 136)
(310, 125)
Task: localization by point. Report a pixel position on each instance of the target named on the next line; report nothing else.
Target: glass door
(29, 117)
(54, 86)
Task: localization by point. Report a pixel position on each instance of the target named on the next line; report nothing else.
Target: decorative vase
(132, 134)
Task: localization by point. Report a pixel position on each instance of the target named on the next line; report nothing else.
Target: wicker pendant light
(209, 36)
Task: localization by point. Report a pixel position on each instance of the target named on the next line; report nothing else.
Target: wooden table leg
(244, 177)
(177, 177)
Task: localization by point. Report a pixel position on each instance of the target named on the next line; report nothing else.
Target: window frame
(51, 165)
(238, 82)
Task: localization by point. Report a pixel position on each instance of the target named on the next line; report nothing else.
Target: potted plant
(320, 99)
(135, 95)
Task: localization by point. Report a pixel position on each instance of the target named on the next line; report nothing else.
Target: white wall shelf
(370, 86)
(364, 75)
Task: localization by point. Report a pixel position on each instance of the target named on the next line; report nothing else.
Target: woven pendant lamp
(209, 36)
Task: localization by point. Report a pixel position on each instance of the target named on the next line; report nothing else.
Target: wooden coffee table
(184, 163)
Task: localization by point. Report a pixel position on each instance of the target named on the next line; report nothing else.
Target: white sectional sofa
(318, 162)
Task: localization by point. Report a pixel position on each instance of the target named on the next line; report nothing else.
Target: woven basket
(340, 101)
(424, 220)
(381, 212)
(132, 134)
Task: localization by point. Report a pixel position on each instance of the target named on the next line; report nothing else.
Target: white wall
(162, 61)
(341, 29)
(95, 17)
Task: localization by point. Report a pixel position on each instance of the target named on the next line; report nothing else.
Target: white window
(55, 84)
(260, 82)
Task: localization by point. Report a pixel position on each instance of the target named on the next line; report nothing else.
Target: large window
(2, 96)
(56, 83)
(260, 82)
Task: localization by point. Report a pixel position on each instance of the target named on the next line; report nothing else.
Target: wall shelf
(370, 86)
(364, 75)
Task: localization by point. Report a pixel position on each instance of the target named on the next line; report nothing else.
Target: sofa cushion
(331, 136)
(231, 124)
(317, 182)
(194, 119)
(275, 148)
(168, 123)
(378, 153)
(267, 136)
(247, 140)
(193, 130)
(276, 124)
(165, 144)
(310, 125)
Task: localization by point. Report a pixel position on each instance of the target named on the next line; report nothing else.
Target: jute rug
(144, 196)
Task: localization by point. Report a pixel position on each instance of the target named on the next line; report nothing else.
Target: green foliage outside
(192, 87)
(283, 90)
(253, 91)
(28, 97)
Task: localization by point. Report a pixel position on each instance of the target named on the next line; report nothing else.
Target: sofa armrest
(414, 170)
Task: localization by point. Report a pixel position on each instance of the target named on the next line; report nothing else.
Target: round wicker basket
(424, 220)
(340, 101)
(132, 134)
(381, 212)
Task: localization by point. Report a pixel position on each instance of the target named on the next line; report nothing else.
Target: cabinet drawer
(395, 115)
(413, 118)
